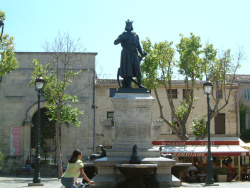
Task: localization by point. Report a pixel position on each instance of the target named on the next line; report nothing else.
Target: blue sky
(225, 23)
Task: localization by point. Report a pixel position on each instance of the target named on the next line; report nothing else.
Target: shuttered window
(219, 123)
(174, 93)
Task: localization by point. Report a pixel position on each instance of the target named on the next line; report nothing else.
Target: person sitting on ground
(231, 173)
(32, 162)
(192, 171)
(214, 166)
(192, 168)
(201, 168)
(201, 172)
(27, 165)
(74, 168)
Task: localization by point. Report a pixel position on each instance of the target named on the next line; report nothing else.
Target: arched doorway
(47, 138)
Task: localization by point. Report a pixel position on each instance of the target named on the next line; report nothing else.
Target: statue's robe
(130, 64)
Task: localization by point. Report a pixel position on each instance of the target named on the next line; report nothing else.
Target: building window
(110, 116)
(219, 124)
(112, 92)
(248, 120)
(174, 93)
(185, 92)
(219, 94)
(246, 92)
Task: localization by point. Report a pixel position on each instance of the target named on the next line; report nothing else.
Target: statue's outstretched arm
(120, 38)
(117, 41)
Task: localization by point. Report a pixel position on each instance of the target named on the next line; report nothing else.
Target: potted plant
(222, 173)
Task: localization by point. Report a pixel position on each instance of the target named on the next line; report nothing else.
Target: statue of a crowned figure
(130, 61)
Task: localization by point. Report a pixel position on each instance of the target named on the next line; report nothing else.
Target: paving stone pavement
(18, 182)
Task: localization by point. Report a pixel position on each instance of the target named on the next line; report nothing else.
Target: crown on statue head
(129, 21)
(129, 25)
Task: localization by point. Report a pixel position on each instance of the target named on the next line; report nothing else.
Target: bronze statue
(130, 61)
(134, 159)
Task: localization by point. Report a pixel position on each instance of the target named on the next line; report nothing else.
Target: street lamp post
(39, 84)
(1, 25)
(208, 89)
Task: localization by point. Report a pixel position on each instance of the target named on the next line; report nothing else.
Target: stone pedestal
(133, 120)
(133, 126)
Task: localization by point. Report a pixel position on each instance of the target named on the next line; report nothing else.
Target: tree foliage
(8, 61)
(193, 64)
(198, 126)
(55, 93)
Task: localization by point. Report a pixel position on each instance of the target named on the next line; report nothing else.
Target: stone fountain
(134, 126)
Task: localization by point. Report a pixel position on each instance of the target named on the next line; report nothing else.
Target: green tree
(193, 64)
(8, 61)
(158, 69)
(58, 75)
(221, 72)
(198, 126)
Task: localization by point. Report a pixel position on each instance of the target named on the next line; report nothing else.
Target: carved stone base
(133, 120)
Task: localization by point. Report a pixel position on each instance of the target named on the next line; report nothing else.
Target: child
(27, 165)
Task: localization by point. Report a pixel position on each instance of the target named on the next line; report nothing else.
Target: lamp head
(39, 83)
(208, 87)
(1, 25)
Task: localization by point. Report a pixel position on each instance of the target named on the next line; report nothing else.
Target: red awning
(201, 151)
(192, 142)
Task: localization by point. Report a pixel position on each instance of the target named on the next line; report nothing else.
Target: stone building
(18, 106)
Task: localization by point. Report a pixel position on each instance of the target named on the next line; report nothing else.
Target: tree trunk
(58, 150)
(181, 134)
